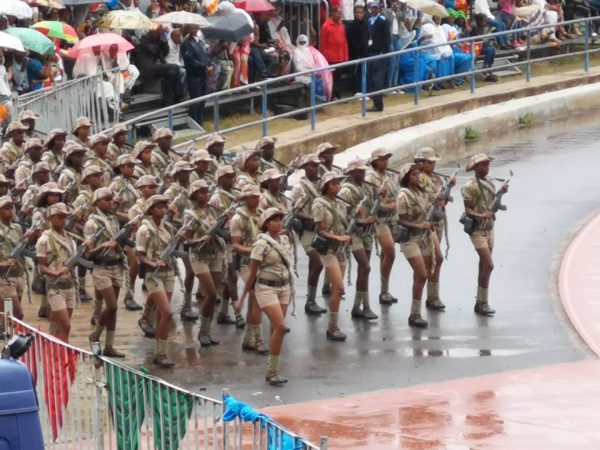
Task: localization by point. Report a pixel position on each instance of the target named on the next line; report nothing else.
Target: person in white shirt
(482, 7)
(5, 93)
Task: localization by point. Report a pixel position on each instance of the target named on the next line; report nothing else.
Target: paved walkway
(552, 407)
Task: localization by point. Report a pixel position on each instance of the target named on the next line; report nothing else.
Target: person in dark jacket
(150, 60)
(357, 35)
(379, 34)
(196, 62)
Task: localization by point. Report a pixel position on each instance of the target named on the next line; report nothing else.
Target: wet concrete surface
(555, 186)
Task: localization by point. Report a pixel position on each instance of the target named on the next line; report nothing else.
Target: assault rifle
(162, 187)
(288, 223)
(217, 226)
(497, 203)
(122, 236)
(70, 222)
(77, 257)
(435, 209)
(171, 249)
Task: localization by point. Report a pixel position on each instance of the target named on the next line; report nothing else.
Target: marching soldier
(53, 249)
(108, 267)
(271, 272)
(177, 194)
(386, 216)
(12, 270)
(82, 131)
(50, 194)
(151, 239)
(207, 254)
(430, 184)
(272, 196)
(32, 155)
(126, 196)
(147, 186)
(415, 237)
(118, 144)
(354, 192)
(39, 176)
(308, 187)
(54, 154)
(4, 184)
(163, 138)
(97, 156)
(12, 150)
(266, 149)
(202, 161)
(244, 231)
(249, 165)
(143, 152)
(222, 199)
(215, 145)
(70, 176)
(330, 241)
(326, 152)
(28, 118)
(478, 195)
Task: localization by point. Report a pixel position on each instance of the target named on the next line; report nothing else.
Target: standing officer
(379, 39)
(478, 195)
(196, 61)
(308, 187)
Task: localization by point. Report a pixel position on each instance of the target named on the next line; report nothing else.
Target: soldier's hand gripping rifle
(169, 214)
(72, 217)
(497, 203)
(172, 248)
(350, 230)
(123, 235)
(217, 226)
(22, 248)
(78, 257)
(288, 223)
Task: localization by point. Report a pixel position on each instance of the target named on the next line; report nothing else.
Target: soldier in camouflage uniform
(355, 192)
(163, 138)
(387, 189)
(215, 145)
(308, 187)
(222, 199)
(54, 146)
(244, 231)
(82, 131)
(249, 174)
(143, 153)
(478, 195)
(272, 195)
(28, 118)
(329, 215)
(33, 153)
(266, 147)
(179, 201)
(202, 161)
(70, 176)
(118, 144)
(97, 156)
(107, 273)
(12, 150)
(40, 176)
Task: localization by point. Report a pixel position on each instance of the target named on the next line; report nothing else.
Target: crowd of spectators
(181, 62)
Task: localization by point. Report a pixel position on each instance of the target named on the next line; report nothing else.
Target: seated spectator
(87, 63)
(127, 75)
(5, 94)
(240, 53)
(150, 60)
(432, 33)
(186, 5)
(480, 27)
(281, 40)
(19, 73)
(482, 7)
(263, 60)
(462, 60)
(306, 57)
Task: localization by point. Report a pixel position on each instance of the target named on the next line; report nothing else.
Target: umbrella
(47, 3)
(10, 42)
(33, 40)
(101, 40)
(57, 30)
(230, 27)
(255, 6)
(183, 18)
(428, 7)
(16, 8)
(126, 20)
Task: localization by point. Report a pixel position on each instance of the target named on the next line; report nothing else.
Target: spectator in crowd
(5, 94)
(127, 75)
(357, 36)
(262, 62)
(480, 28)
(174, 56)
(3, 22)
(280, 38)
(150, 60)
(306, 57)
(482, 7)
(195, 59)
(87, 62)
(19, 73)
(334, 45)
(399, 25)
(37, 71)
(157, 8)
(379, 38)
(128, 5)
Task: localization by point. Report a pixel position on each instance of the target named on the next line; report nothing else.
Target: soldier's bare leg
(276, 317)
(336, 276)
(433, 281)
(187, 312)
(62, 323)
(486, 266)
(362, 308)
(419, 266)
(387, 258)
(209, 282)
(162, 300)
(108, 321)
(315, 267)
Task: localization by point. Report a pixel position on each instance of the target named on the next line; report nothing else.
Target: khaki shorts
(331, 259)
(107, 276)
(60, 299)
(381, 229)
(439, 230)
(164, 281)
(483, 239)
(212, 263)
(416, 247)
(359, 243)
(268, 296)
(11, 287)
(306, 240)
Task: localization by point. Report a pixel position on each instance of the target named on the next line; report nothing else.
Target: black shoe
(84, 297)
(336, 335)
(146, 328)
(313, 309)
(357, 313)
(43, 312)
(131, 304)
(163, 361)
(416, 321)
(368, 314)
(387, 299)
(326, 291)
(483, 309)
(373, 109)
(435, 304)
(274, 379)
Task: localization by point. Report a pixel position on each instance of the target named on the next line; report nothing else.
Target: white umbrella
(17, 8)
(11, 42)
(183, 18)
(428, 7)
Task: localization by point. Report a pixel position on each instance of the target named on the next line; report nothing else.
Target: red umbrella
(101, 40)
(255, 6)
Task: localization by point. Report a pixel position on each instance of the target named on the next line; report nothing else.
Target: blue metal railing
(314, 106)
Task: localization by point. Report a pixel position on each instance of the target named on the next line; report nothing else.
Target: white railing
(91, 402)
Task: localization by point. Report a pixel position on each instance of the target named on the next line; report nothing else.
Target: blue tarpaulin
(234, 409)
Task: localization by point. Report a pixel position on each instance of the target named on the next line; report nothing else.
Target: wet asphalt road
(555, 186)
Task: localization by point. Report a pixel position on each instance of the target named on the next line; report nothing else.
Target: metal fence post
(97, 407)
(416, 76)
(586, 56)
(8, 312)
(528, 69)
(313, 102)
(170, 119)
(264, 109)
(216, 118)
(363, 89)
(323, 443)
(472, 80)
